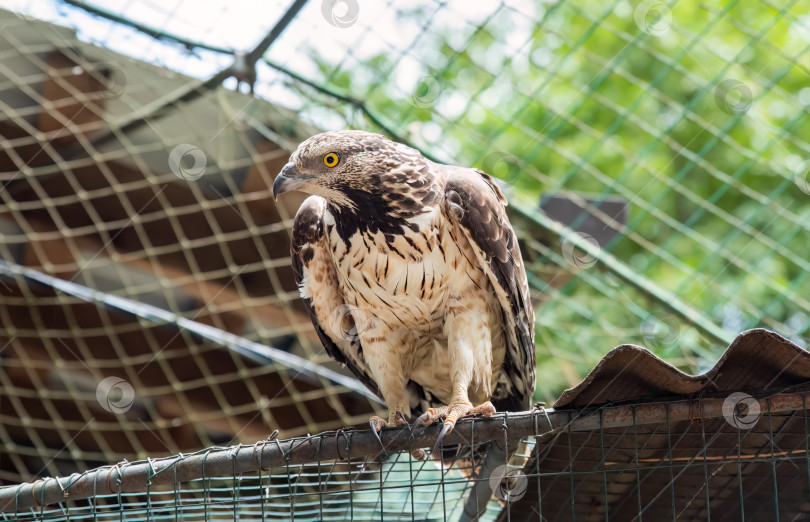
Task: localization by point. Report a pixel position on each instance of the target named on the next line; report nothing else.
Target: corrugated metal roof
(758, 359)
(697, 469)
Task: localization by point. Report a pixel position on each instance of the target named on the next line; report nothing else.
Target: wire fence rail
(108, 488)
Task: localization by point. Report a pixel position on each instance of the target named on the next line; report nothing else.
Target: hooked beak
(288, 179)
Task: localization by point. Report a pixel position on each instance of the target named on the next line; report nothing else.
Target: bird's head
(349, 167)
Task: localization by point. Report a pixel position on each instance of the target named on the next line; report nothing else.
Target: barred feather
(394, 253)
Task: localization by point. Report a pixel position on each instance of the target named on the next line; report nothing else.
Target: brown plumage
(412, 276)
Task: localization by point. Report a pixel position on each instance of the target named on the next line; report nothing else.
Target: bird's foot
(451, 414)
(419, 454)
(396, 418)
(376, 423)
(399, 419)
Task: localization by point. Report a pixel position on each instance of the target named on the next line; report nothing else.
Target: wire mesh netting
(651, 460)
(361, 489)
(98, 363)
(656, 155)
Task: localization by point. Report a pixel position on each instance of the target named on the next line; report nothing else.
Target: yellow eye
(331, 160)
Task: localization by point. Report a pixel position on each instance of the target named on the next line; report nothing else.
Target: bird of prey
(412, 276)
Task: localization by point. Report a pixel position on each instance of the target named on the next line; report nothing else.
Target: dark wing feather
(310, 258)
(475, 204)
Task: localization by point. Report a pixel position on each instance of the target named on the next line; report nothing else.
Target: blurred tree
(695, 113)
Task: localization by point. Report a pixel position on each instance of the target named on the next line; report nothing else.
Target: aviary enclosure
(156, 361)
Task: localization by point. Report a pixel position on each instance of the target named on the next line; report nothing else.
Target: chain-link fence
(654, 460)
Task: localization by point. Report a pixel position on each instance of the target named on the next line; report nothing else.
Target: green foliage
(695, 112)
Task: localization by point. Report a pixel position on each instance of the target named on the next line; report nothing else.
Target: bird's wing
(476, 206)
(317, 280)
